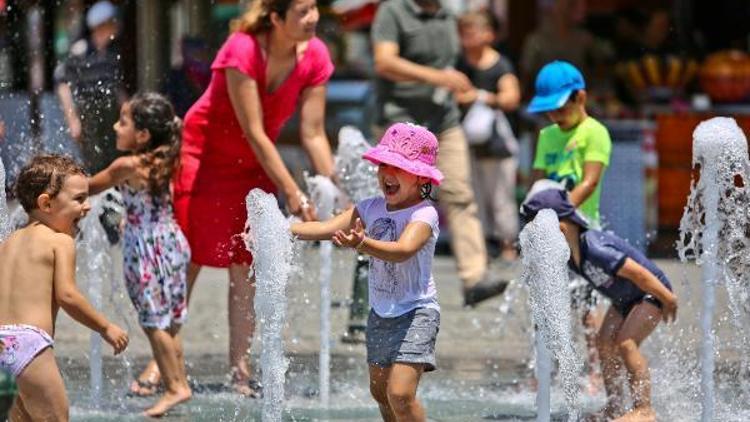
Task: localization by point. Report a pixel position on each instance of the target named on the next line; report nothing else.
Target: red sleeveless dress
(217, 165)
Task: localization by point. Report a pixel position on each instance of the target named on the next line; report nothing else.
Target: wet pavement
(484, 353)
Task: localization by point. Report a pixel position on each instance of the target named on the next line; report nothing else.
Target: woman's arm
(508, 96)
(647, 282)
(117, 173)
(413, 238)
(324, 230)
(243, 93)
(312, 129)
(69, 111)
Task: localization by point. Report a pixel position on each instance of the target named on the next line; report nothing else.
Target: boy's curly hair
(45, 173)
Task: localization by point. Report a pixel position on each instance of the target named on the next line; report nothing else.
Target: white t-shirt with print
(398, 287)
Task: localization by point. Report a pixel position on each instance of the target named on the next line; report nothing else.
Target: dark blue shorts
(625, 308)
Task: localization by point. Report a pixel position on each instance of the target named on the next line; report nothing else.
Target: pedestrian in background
(90, 88)
(416, 45)
(488, 110)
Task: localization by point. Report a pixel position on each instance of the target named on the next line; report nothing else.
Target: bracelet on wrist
(360, 244)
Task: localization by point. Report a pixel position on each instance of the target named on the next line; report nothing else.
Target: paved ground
(483, 353)
(497, 329)
(480, 332)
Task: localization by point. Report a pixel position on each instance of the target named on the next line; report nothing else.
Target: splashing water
(269, 240)
(545, 255)
(5, 228)
(93, 264)
(713, 232)
(323, 194)
(357, 176)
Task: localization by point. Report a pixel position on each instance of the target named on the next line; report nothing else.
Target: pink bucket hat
(409, 147)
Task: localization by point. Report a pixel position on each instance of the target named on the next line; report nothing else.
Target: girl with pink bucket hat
(399, 231)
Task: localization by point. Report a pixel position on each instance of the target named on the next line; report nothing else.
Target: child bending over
(640, 293)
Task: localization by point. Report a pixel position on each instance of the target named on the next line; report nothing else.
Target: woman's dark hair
(153, 112)
(257, 18)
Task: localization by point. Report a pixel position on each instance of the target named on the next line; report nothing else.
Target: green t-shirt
(561, 154)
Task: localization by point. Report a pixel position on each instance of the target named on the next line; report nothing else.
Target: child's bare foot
(606, 413)
(595, 384)
(168, 401)
(641, 414)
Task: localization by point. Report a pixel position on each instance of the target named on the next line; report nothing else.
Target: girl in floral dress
(155, 251)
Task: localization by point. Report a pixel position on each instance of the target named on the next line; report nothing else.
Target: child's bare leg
(172, 370)
(591, 318)
(41, 391)
(177, 338)
(241, 326)
(640, 322)
(18, 412)
(379, 389)
(610, 362)
(150, 374)
(402, 392)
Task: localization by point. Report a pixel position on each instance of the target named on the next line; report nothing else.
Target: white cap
(100, 12)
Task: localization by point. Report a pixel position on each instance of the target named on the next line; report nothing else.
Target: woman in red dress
(269, 66)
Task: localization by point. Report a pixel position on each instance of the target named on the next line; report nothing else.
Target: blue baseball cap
(548, 194)
(100, 12)
(554, 84)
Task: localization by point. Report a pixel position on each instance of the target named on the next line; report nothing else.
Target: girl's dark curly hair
(153, 112)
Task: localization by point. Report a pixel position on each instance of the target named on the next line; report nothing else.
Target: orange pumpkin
(725, 76)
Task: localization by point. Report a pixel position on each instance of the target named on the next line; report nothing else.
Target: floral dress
(156, 255)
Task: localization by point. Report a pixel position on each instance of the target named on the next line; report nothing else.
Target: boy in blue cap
(639, 291)
(574, 150)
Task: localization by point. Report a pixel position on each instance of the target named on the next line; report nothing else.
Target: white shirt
(398, 287)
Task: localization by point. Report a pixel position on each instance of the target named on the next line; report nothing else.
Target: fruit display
(655, 77)
(725, 76)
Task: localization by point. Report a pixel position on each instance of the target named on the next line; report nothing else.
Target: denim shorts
(407, 338)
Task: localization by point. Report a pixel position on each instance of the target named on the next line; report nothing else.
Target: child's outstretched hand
(116, 337)
(669, 309)
(353, 239)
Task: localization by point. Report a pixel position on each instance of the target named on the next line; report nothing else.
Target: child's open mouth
(391, 188)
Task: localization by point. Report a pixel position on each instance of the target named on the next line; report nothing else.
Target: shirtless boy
(37, 278)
